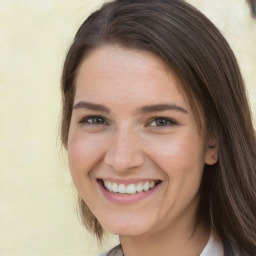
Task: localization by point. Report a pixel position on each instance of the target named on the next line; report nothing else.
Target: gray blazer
(230, 249)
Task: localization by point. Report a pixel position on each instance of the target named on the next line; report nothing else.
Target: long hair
(202, 59)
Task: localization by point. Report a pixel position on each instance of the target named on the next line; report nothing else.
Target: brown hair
(202, 59)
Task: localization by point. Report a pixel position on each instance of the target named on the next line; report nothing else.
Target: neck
(179, 239)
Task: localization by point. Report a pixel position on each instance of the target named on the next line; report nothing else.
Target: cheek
(178, 154)
(83, 152)
(181, 158)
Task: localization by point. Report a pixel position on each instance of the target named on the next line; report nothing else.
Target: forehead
(127, 74)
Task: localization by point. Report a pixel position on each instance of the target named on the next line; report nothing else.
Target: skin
(127, 144)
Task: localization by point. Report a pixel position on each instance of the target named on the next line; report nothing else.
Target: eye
(161, 121)
(94, 120)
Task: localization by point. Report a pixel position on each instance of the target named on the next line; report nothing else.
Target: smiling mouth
(129, 189)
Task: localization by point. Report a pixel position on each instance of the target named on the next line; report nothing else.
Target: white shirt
(214, 247)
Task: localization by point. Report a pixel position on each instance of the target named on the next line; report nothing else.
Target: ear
(212, 150)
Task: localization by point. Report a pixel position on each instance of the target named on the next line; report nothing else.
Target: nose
(124, 151)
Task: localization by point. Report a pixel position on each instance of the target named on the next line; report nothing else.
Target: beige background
(37, 198)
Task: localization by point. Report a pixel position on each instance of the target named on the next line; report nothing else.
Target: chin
(127, 231)
(126, 226)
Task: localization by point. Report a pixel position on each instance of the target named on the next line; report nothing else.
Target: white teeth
(109, 186)
(129, 189)
(152, 184)
(146, 186)
(115, 187)
(122, 189)
(139, 188)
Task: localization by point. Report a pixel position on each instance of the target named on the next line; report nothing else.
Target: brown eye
(94, 120)
(162, 122)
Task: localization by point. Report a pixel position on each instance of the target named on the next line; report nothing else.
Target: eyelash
(86, 119)
(167, 121)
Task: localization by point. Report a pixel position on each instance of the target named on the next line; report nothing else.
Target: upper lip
(128, 181)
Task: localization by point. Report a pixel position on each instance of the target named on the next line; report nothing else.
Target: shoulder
(103, 254)
(116, 251)
(232, 249)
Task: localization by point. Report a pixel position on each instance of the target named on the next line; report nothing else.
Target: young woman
(159, 134)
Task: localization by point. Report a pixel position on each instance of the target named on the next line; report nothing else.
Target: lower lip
(127, 198)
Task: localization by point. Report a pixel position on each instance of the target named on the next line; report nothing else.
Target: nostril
(122, 160)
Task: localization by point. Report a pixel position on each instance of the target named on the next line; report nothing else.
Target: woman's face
(133, 130)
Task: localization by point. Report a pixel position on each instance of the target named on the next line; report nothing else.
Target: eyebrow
(92, 106)
(161, 107)
(141, 110)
